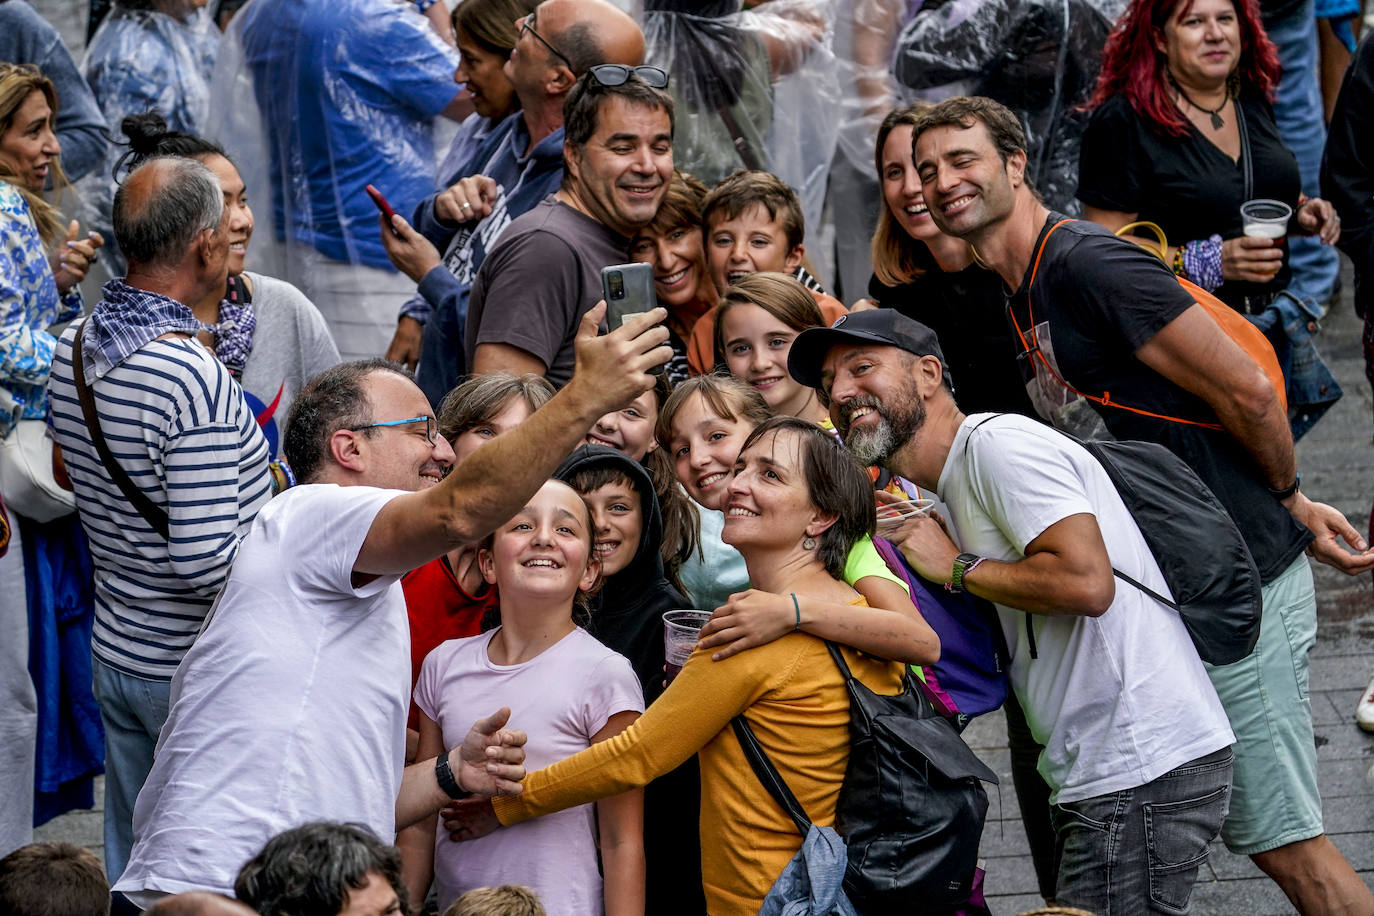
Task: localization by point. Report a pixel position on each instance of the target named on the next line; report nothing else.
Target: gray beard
(872, 445)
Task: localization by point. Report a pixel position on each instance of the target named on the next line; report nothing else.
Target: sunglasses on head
(618, 74)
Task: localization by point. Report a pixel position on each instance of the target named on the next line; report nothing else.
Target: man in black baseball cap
(866, 344)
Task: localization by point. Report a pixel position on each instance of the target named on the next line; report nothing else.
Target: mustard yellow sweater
(793, 697)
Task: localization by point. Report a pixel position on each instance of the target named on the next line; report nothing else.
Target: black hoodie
(627, 616)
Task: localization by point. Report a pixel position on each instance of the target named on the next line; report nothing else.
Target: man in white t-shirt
(1136, 742)
(291, 706)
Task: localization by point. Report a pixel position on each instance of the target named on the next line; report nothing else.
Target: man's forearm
(420, 795)
(492, 484)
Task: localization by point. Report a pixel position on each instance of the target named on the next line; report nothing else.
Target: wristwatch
(964, 564)
(443, 774)
(1287, 491)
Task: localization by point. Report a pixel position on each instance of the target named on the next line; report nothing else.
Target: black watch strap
(443, 774)
(1288, 491)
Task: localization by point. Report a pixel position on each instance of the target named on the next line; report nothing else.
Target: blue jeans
(1139, 850)
(1301, 119)
(132, 710)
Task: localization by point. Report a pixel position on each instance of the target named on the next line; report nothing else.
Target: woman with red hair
(1182, 133)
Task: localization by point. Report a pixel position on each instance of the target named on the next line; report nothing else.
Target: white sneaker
(1364, 713)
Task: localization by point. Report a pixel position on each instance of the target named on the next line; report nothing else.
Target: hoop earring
(808, 543)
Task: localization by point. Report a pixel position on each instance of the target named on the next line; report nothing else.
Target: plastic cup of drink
(1265, 219)
(892, 515)
(680, 629)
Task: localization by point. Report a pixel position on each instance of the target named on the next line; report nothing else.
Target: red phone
(382, 205)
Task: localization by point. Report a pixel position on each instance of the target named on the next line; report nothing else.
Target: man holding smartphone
(519, 164)
(545, 272)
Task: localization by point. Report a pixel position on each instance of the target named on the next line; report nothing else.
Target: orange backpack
(1248, 337)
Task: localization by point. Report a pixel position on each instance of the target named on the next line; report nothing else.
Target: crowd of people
(347, 558)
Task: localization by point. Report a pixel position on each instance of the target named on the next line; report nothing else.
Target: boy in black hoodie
(627, 616)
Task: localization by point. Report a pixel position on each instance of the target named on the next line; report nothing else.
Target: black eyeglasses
(618, 74)
(431, 427)
(528, 26)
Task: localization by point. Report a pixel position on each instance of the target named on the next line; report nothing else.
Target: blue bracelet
(796, 607)
(424, 5)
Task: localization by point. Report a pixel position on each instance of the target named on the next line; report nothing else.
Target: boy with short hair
(53, 879)
(506, 900)
(752, 222)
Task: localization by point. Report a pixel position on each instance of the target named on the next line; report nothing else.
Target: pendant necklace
(1215, 115)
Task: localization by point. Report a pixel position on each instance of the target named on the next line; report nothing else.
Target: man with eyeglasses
(291, 706)
(519, 164)
(545, 272)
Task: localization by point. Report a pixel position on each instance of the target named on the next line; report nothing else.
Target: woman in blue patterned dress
(40, 265)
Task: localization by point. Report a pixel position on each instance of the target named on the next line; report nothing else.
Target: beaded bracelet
(1179, 270)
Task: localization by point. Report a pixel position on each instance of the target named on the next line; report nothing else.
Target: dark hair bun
(146, 132)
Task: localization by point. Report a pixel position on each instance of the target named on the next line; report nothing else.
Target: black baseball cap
(886, 327)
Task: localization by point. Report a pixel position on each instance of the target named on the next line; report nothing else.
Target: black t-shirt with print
(1103, 299)
(967, 310)
(1186, 184)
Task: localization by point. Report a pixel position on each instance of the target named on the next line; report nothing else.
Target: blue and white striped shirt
(178, 424)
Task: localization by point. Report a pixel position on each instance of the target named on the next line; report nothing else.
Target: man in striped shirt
(177, 423)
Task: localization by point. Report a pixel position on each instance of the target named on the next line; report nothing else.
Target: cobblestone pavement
(1336, 466)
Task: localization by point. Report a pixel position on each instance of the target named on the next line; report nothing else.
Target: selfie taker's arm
(491, 485)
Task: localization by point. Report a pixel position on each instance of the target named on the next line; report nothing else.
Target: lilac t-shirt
(560, 698)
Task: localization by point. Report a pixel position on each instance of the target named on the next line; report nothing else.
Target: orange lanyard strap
(1032, 349)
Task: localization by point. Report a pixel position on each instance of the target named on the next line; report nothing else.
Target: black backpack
(911, 808)
(1199, 549)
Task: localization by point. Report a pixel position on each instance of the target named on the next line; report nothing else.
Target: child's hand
(750, 618)
(469, 818)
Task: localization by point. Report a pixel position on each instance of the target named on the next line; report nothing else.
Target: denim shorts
(1139, 850)
(1274, 799)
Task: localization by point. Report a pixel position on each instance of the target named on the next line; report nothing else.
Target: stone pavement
(1335, 458)
(1336, 466)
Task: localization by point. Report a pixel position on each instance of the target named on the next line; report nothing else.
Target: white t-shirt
(1117, 700)
(560, 698)
(291, 705)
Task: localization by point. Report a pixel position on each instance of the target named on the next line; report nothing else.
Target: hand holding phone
(382, 205)
(628, 290)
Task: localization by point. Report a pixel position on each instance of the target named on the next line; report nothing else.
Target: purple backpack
(971, 676)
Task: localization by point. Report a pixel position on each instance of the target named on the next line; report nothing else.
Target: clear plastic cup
(680, 629)
(1265, 219)
(892, 515)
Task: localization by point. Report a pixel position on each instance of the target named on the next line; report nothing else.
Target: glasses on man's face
(431, 426)
(528, 26)
(617, 74)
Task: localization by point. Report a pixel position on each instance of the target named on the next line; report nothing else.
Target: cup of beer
(680, 629)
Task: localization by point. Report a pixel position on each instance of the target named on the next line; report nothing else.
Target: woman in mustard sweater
(796, 504)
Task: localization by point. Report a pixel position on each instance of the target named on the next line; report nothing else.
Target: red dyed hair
(1135, 68)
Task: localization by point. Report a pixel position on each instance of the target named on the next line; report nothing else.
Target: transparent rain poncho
(145, 57)
(316, 100)
(1040, 58)
(753, 89)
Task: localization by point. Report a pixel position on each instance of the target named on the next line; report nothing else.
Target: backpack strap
(154, 515)
(768, 774)
(1031, 348)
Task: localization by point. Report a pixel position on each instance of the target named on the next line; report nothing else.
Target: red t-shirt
(439, 610)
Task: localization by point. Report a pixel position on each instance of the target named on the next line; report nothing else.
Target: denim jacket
(1291, 323)
(29, 305)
